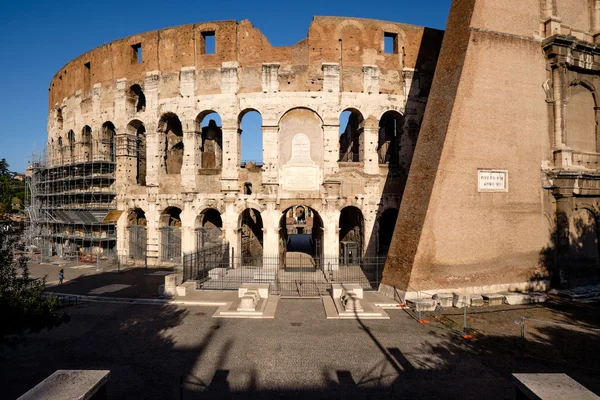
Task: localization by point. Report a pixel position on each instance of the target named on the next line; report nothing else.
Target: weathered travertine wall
(513, 96)
(172, 161)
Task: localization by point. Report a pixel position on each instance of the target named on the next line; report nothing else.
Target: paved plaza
(171, 352)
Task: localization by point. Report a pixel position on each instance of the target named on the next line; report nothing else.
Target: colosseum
(144, 153)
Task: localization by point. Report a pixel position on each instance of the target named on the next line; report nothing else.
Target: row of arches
(85, 146)
(295, 221)
(393, 145)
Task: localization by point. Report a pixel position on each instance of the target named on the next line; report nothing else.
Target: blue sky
(38, 37)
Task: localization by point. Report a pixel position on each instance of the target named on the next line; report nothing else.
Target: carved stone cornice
(570, 52)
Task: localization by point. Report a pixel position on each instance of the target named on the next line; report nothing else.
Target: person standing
(61, 276)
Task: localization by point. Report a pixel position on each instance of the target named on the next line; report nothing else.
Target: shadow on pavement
(134, 283)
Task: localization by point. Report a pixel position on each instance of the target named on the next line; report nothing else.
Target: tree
(23, 306)
(4, 171)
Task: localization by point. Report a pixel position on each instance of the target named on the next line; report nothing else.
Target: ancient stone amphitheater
(145, 141)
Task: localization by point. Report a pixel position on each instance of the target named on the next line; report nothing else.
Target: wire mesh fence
(290, 274)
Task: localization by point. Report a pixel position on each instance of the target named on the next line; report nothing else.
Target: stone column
(369, 233)
(331, 147)
(557, 88)
(189, 167)
(230, 227)
(153, 233)
(331, 240)
(270, 218)
(595, 19)
(563, 155)
(188, 222)
(153, 156)
(231, 162)
(122, 233)
(270, 153)
(121, 97)
(371, 137)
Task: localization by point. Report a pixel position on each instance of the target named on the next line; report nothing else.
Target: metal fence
(294, 274)
(170, 244)
(137, 242)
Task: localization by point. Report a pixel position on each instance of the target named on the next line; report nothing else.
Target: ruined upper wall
(350, 42)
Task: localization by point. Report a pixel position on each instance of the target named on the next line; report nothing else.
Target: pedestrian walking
(61, 276)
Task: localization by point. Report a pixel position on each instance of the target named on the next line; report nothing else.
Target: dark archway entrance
(351, 235)
(251, 238)
(300, 231)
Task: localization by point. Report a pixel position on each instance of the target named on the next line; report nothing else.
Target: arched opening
(170, 235)
(209, 228)
(580, 116)
(107, 142)
(136, 225)
(59, 119)
(60, 153)
(171, 138)
(210, 143)
(86, 140)
(71, 144)
(251, 238)
(137, 130)
(351, 136)
(389, 146)
(351, 235)
(136, 100)
(251, 140)
(387, 224)
(300, 237)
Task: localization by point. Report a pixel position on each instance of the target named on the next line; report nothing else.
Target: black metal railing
(292, 274)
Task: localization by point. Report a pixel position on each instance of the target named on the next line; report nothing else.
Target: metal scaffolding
(71, 200)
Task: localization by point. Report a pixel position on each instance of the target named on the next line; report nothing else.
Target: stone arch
(71, 142)
(391, 148)
(251, 143)
(60, 151)
(350, 34)
(170, 234)
(351, 235)
(209, 229)
(311, 225)
(387, 224)
(136, 228)
(137, 132)
(107, 142)
(305, 121)
(136, 100)
(250, 237)
(87, 143)
(350, 23)
(59, 119)
(581, 120)
(351, 145)
(210, 142)
(171, 140)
